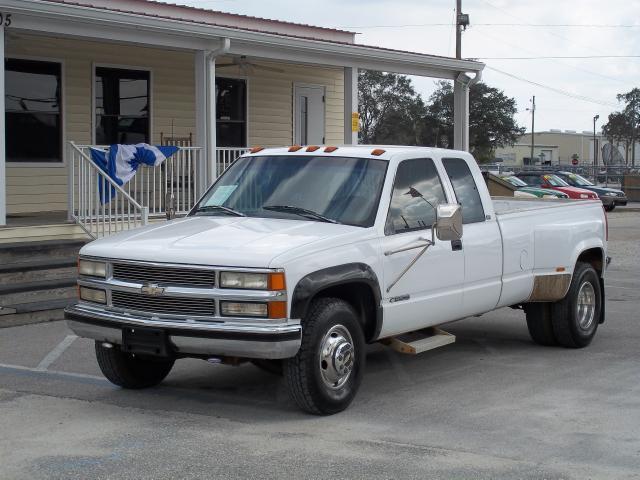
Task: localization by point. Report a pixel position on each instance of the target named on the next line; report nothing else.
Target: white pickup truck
(298, 257)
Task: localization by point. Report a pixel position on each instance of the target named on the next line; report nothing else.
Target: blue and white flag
(123, 161)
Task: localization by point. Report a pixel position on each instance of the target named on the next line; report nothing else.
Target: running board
(417, 342)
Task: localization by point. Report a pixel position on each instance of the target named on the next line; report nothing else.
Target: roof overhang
(63, 19)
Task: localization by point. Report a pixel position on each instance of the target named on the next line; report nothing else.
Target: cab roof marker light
(330, 149)
(312, 148)
(256, 149)
(295, 148)
(377, 152)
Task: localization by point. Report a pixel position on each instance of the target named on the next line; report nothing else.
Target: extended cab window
(417, 190)
(466, 189)
(533, 180)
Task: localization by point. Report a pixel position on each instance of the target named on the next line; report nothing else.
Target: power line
(535, 25)
(552, 57)
(554, 89)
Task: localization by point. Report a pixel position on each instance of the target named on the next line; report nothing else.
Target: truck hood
(224, 241)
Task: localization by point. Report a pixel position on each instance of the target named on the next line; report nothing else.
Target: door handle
(456, 245)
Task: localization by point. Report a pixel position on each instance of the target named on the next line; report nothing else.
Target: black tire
(539, 323)
(271, 366)
(565, 314)
(307, 375)
(131, 371)
(609, 208)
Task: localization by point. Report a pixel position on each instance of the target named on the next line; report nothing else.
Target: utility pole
(533, 126)
(595, 141)
(462, 22)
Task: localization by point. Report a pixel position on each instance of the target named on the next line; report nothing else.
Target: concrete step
(32, 271)
(40, 291)
(34, 312)
(39, 251)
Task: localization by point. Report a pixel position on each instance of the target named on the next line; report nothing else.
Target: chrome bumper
(190, 338)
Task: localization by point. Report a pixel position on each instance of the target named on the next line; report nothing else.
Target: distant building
(556, 147)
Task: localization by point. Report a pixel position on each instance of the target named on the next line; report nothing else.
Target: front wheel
(131, 371)
(324, 376)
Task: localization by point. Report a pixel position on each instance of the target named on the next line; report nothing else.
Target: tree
(618, 129)
(632, 112)
(492, 121)
(390, 109)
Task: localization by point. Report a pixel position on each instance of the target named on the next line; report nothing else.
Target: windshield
(554, 181)
(577, 180)
(515, 181)
(333, 189)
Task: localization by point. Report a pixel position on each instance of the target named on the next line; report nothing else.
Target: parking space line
(54, 354)
(56, 373)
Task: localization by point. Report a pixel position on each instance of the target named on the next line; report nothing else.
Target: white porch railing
(147, 195)
(98, 218)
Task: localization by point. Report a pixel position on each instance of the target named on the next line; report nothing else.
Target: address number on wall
(5, 19)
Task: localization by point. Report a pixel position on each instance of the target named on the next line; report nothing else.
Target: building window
(33, 111)
(231, 112)
(122, 106)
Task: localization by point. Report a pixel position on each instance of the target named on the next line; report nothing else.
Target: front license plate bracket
(145, 341)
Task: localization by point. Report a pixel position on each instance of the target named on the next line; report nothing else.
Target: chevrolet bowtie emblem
(152, 289)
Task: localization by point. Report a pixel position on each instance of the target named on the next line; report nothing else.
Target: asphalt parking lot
(492, 405)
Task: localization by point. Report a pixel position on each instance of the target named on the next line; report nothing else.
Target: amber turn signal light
(295, 148)
(256, 149)
(276, 281)
(330, 149)
(312, 148)
(277, 310)
(377, 152)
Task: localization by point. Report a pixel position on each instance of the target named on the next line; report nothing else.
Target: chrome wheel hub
(586, 307)
(337, 357)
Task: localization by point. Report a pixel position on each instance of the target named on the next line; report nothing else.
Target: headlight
(92, 269)
(272, 310)
(252, 281)
(93, 295)
(611, 194)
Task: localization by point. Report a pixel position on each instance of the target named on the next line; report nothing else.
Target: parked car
(533, 191)
(298, 257)
(553, 182)
(610, 197)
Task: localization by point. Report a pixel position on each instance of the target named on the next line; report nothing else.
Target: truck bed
(511, 205)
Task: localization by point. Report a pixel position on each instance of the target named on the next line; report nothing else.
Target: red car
(549, 180)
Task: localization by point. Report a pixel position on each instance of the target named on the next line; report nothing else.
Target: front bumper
(192, 339)
(621, 201)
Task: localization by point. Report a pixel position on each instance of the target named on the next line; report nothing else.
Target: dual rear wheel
(573, 321)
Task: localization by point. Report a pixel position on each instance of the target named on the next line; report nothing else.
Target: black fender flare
(310, 285)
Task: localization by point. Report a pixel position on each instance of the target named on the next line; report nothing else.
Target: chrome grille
(184, 277)
(205, 307)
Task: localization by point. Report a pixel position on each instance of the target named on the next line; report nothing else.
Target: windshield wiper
(303, 212)
(228, 210)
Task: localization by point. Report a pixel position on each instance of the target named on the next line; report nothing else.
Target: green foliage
(624, 126)
(392, 113)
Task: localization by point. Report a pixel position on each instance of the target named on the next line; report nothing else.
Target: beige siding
(36, 188)
(270, 105)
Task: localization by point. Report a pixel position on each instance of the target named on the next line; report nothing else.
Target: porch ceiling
(64, 19)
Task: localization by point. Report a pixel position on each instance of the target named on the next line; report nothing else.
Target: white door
(308, 115)
(430, 292)
(481, 242)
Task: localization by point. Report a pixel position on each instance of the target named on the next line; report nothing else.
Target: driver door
(430, 292)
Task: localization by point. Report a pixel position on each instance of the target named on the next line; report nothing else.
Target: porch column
(350, 104)
(461, 113)
(3, 171)
(205, 117)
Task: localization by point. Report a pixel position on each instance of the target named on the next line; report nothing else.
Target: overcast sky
(378, 23)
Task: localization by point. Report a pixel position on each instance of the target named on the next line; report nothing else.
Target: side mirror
(449, 222)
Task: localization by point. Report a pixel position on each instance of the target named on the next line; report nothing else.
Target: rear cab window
(466, 190)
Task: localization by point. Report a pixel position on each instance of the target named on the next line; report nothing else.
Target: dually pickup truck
(296, 258)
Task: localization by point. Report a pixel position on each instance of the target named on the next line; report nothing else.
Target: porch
(74, 75)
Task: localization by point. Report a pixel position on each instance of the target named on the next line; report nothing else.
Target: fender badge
(152, 289)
